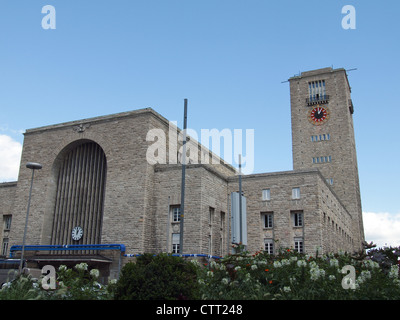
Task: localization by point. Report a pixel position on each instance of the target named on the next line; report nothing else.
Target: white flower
(277, 264)
(285, 262)
(365, 275)
(287, 289)
(369, 264)
(334, 263)
(253, 267)
(301, 263)
(81, 266)
(332, 277)
(62, 267)
(94, 273)
(394, 272)
(237, 268)
(316, 272)
(210, 274)
(225, 280)
(195, 262)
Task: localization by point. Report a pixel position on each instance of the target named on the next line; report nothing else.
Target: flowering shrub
(285, 276)
(22, 288)
(290, 275)
(76, 283)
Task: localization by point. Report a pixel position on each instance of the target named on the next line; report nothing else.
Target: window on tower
(176, 213)
(316, 92)
(324, 159)
(321, 137)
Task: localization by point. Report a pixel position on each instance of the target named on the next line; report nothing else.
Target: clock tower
(323, 136)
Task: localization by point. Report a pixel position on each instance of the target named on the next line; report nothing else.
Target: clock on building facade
(318, 115)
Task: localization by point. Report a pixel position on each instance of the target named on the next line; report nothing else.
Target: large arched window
(80, 195)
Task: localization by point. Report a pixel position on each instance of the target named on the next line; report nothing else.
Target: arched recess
(80, 170)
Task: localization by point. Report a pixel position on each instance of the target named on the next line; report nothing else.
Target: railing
(75, 247)
(67, 247)
(188, 255)
(318, 99)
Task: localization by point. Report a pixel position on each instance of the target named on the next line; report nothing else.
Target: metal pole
(240, 199)
(182, 213)
(168, 224)
(26, 224)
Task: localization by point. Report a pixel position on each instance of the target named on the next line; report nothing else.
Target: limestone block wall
(311, 203)
(7, 199)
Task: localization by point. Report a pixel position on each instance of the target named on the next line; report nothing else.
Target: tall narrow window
(268, 219)
(266, 194)
(176, 213)
(316, 90)
(296, 193)
(298, 219)
(7, 222)
(269, 245)
(80, 194)
(222, 225)
(175, 242)
(211, 215)
(4, 249)
(298, 244)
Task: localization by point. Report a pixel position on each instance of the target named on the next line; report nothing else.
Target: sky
(230, 58)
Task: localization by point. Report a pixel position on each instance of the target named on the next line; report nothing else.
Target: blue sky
(227, 57)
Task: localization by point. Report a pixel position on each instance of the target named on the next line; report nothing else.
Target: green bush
(293, 276)
(159, 277)
(23, 287)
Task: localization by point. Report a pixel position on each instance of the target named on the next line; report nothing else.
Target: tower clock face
(77, 233)
(318, 115)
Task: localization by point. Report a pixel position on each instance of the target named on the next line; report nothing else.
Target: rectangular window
(298, 219)
(329, 181)
(321, 137)
(176, 213)
(7, 222)
(296, 193)
(324, 159)
(298, 245)
(268, 220)
(4, 248)
(211, 215)
(269, 246)
(316, 90)
(222, 214)
(175, 242)
(266, 194)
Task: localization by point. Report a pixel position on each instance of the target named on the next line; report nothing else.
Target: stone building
(102, 196)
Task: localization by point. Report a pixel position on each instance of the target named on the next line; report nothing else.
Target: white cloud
(10, 157)
(382, 228)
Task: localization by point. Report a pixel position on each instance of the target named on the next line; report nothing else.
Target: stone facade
(140, 194)
(333, 138)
